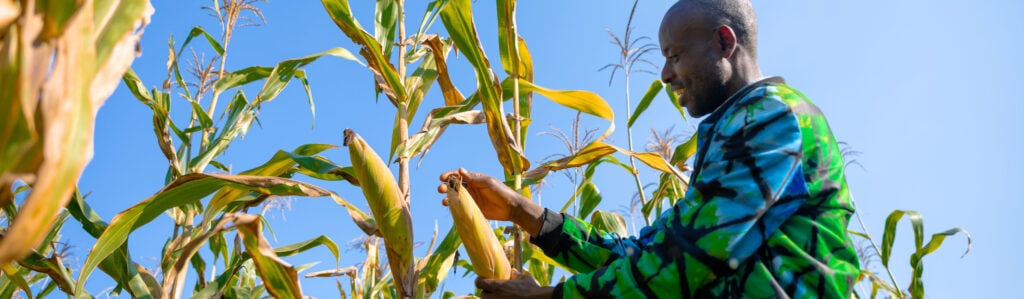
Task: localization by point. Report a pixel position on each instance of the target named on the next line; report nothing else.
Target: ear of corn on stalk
(389, 208)
(483, 248)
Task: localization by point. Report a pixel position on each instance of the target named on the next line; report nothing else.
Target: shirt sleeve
(744, 191)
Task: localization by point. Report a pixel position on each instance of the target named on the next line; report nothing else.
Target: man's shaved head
(710, 49)
(737, 14)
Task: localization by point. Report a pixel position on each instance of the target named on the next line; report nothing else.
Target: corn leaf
(421, 142)
(438, 263)
(418, 84)
(227, 134)
(241, 77)
(889, 234)
(196, 31)
(579, 100)
(917, 283)
(173, 286)
(296, 248)
(96, 48)
(384, 25)
(16, 277)
(117, 265)
(609, 222)
(590, 197)
(362, 220)
(301, 75)
(452, 96)
(187, 189)
(385, 75)
(645, 102)
(674, 99)
(204, 119)
(281, 163)
(684, 151)
(280, 278)
(458, 19)
(285, 71)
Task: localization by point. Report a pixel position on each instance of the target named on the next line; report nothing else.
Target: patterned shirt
(765, 215)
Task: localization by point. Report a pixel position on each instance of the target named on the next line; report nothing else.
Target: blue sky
(926, 90)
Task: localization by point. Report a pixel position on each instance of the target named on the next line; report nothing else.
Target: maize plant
(251, 266)
(507, 131)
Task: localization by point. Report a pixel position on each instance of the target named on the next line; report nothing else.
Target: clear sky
(926, 90)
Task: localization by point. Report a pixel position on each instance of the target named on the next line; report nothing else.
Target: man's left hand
(521, 286)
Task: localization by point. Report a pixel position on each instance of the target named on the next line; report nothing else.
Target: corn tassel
(390, 210)
(484, 250)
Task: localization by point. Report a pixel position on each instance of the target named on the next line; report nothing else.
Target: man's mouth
(678, 90)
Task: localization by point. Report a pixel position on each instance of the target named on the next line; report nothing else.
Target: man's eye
(674, 58)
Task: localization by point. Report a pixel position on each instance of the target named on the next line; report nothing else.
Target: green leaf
(187, 189)
(280, 164)
(280, 278)
(889, 234)
(674, 99)
(137, 88)
(362, 220)
(609, 222)
(301, 75)
(293, 249)
(114, 20)
(241, 77)
(285, 70)
(221, 142)
(117, 265)
(341, 13)
(590, 197)
(198, 30)
(457, 16)
(652, 92)
(384, 25)
(917, 284)
(439, 263)
(421, 142)
(204, 119)
(685, 151)
(14, 276)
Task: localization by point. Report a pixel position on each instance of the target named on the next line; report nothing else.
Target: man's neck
(746, 72)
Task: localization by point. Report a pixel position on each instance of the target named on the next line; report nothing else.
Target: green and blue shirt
(765, 215)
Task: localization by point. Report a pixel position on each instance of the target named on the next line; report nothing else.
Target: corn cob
(389, 208)
(483, 248)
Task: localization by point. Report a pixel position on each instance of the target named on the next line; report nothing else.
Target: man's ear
(725, 39)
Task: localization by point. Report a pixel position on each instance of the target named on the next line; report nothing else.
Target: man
(769, 201)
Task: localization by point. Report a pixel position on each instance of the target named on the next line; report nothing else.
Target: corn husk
(482, 246)
(389, 208)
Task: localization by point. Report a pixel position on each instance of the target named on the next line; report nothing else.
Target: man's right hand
(496, 201)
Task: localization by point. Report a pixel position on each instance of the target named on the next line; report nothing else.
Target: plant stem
(632, 161)
(517, 245)
(408, 287)
(873, 245)
(403, 121)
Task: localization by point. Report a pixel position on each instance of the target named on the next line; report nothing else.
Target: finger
(445, 175)
(467, 176)
(444, 202)
(487, 284)
(443, 188)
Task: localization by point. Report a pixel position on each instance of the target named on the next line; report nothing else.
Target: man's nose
(666, 73)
